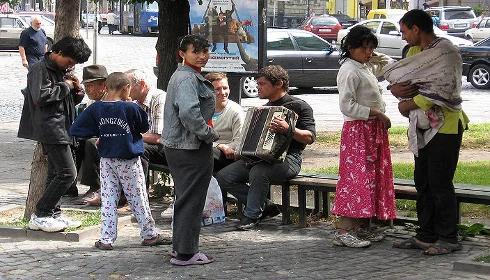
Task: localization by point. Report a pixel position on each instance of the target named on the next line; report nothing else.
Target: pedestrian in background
(118, 125)
(33, 42)
(111, 21)
(188, 140)
(365, 186)
(48, 112)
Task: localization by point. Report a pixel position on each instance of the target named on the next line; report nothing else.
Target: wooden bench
(404, 189)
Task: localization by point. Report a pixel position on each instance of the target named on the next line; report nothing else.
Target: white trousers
(128, 175)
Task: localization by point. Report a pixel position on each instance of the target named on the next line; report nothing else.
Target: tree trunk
(173, 23)
(37, 185)
(67, 24)
(67, 19)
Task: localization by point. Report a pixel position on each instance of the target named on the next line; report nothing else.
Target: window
(487, 25)
(373, 25)
(324, 21)
(279, 41)
(8, 23)
(459, 14)
(387, 27)
(307, 42)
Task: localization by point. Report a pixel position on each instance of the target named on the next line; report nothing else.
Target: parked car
(389, 37)
(386, 14)
(87, 20)
(310, 60)
(345, 20)
(325, 26)
(47, 23)
(476, 64)
(454, 19)
(11, 26)
(480, 31)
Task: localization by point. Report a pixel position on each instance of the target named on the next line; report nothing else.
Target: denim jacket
(188, 108)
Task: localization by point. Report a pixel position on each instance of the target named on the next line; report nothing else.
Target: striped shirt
(153, 106)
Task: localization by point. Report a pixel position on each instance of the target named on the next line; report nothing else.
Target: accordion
(258, 142)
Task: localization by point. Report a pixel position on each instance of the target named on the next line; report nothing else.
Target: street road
(120, 53)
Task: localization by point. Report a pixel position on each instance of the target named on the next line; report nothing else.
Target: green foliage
(478, 9)
(472, 230)
(11, 2)
(484, 259)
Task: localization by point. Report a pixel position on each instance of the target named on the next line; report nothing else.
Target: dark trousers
(436, 201)
(251, 184)
(61, 175)
(90, 165)
(99, 26)
(191, 171)
(220, 160)
(154, 153)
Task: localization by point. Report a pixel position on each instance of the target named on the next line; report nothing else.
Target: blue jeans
(61, 175)
(251, 184)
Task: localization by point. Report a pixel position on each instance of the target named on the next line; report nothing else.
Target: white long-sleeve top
(229, 125)
(358, 87)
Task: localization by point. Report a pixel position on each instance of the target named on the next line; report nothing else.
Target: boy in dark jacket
(49, 109)
(119, 126)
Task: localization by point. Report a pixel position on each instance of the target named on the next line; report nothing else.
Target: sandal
(412, 243)
(442, 248)
(157, 240)
(103, 246)
(197, 259)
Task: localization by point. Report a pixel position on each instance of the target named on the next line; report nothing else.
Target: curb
(470, 265)
(9, 53)
(75, 236)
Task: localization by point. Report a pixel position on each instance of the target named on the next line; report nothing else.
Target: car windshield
(459, 14)
(324, 21)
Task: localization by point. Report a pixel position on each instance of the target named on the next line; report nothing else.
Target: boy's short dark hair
(275, 74)
(117, 81)
(419, 18)
(72, 47)
(215, 76)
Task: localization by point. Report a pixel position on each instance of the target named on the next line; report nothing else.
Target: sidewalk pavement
(272, 252)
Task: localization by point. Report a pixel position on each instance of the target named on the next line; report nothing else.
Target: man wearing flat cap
(86, 154)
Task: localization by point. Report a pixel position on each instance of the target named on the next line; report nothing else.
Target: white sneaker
(349, 240)
(168, 214)
(69, 222)
(47, 224)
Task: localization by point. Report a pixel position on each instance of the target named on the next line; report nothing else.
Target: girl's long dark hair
(358, 36)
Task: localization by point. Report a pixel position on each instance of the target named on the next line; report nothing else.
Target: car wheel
(249, 87)
(479, 76)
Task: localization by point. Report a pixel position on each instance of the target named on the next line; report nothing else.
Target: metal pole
(96, 32)
(86, 17)
(274, 14)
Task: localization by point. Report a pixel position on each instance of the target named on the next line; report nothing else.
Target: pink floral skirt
(365, 185)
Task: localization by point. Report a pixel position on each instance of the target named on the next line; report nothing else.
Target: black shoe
(270, 211)
(247, 223)
(71, 192)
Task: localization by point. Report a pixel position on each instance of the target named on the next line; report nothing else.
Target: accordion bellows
(258, 142)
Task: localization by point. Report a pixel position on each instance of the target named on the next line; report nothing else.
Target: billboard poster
(231, 27)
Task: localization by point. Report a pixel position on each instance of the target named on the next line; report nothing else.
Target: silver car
(389, 37)
(480, 31)
(454, 19)
(310, 60)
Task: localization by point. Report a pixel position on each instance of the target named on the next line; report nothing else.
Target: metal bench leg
(302, 206)
(325, 204)
(286, 202)
(316, 201)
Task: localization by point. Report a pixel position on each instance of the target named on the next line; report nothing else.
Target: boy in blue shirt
(119, 125)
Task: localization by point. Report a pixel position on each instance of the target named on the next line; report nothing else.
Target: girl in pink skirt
(365, 185)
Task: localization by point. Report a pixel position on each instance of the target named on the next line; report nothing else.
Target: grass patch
(484, 259)
(87, 218)
(476, 137)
